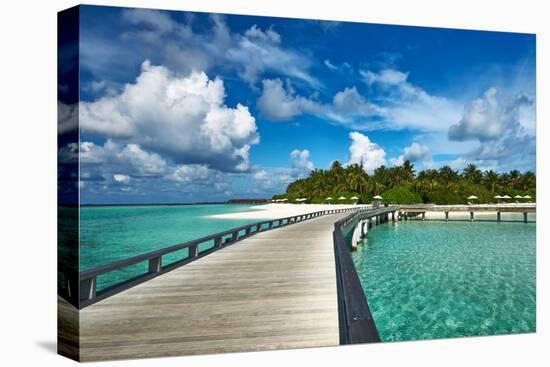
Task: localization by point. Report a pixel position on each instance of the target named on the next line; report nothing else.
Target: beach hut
(354, 198)
(376, 201)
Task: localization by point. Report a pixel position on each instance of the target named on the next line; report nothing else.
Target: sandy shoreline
(274, 211)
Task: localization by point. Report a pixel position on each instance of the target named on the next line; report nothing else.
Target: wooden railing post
(235, 236)
(155, 264)
(88, 288)
(218, 242)
(193, 251)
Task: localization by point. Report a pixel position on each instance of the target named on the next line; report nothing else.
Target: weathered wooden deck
(274, 290)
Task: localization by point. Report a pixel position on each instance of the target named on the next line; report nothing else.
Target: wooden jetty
(273, 286)
(406, 211)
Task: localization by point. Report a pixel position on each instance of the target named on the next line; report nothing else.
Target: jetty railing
(355, 319)
(80, 288)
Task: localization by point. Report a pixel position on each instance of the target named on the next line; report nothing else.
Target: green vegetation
(403, 185)
(401, 195)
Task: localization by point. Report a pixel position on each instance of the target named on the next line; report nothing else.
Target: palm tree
(381, 175)
(430, 179)
(503, 179)
(513, 178)
(528, 180)
(491, 180)
(447, 174)
(472, 173)
(417, 186)
(356, 179)
(336, 166)
(395, 176)
(377, 186)
(408, 171)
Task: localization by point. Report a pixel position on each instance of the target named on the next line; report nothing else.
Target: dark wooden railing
(355, 319)
(80, 289)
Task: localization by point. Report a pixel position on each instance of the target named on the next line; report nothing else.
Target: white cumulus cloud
(505, 142)
(121, 178)
(414, 153)
(67, 118)
(112, 159)
(261, 175)
(278, 103)
(183, 118)
(195, 173)
(300, 161)
(363, 151)
(486, 118)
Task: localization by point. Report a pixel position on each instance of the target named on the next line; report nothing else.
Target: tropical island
(403, 185)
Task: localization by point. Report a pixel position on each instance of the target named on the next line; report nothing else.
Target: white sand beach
(274, 211)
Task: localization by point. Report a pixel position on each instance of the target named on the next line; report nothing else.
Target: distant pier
(406, 211)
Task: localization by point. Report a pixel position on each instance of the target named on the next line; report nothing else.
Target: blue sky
(185, 107)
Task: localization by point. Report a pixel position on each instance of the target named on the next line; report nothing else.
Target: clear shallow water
(426, 280)
(108, 234)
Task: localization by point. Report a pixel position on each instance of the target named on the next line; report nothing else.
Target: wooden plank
(274, 290)
(67, 329)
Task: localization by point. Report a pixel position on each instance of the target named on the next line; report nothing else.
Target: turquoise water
(426, 280)
(108, 234)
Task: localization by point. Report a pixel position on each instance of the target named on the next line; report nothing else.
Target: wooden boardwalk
(274, 290)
